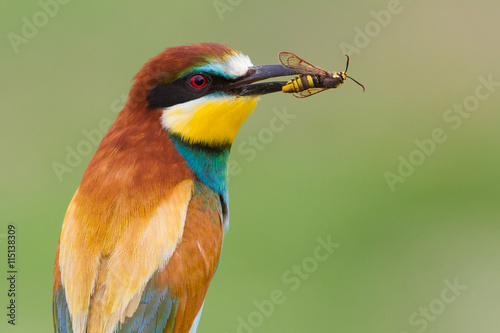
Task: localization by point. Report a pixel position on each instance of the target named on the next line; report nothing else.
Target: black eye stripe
(182, 91)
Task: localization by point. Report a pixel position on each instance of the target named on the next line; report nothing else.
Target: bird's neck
(208, 163)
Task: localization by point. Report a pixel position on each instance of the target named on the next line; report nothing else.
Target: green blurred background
(322, 175)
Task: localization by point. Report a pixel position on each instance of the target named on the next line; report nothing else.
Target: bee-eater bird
(142, 236)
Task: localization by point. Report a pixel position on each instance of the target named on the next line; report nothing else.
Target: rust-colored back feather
(135, 162)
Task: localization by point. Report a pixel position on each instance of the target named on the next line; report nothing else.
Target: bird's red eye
(198, 81)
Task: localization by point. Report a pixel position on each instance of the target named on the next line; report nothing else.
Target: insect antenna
(346, 67)
(362, 86)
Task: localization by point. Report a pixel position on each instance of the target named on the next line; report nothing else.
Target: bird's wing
(154, 276)
(185, 279)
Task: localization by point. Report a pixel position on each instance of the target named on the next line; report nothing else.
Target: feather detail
(111, 284)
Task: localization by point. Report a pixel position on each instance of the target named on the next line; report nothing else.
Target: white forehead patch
(230, 66)
(237, 64)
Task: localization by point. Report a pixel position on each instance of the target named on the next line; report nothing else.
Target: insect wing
(308, 92)
(292, 61)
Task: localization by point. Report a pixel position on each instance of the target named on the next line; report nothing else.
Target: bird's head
(204, 92)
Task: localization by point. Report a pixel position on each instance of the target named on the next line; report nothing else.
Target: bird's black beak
(245, 85)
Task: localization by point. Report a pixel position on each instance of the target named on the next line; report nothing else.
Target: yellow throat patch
(211, 120)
